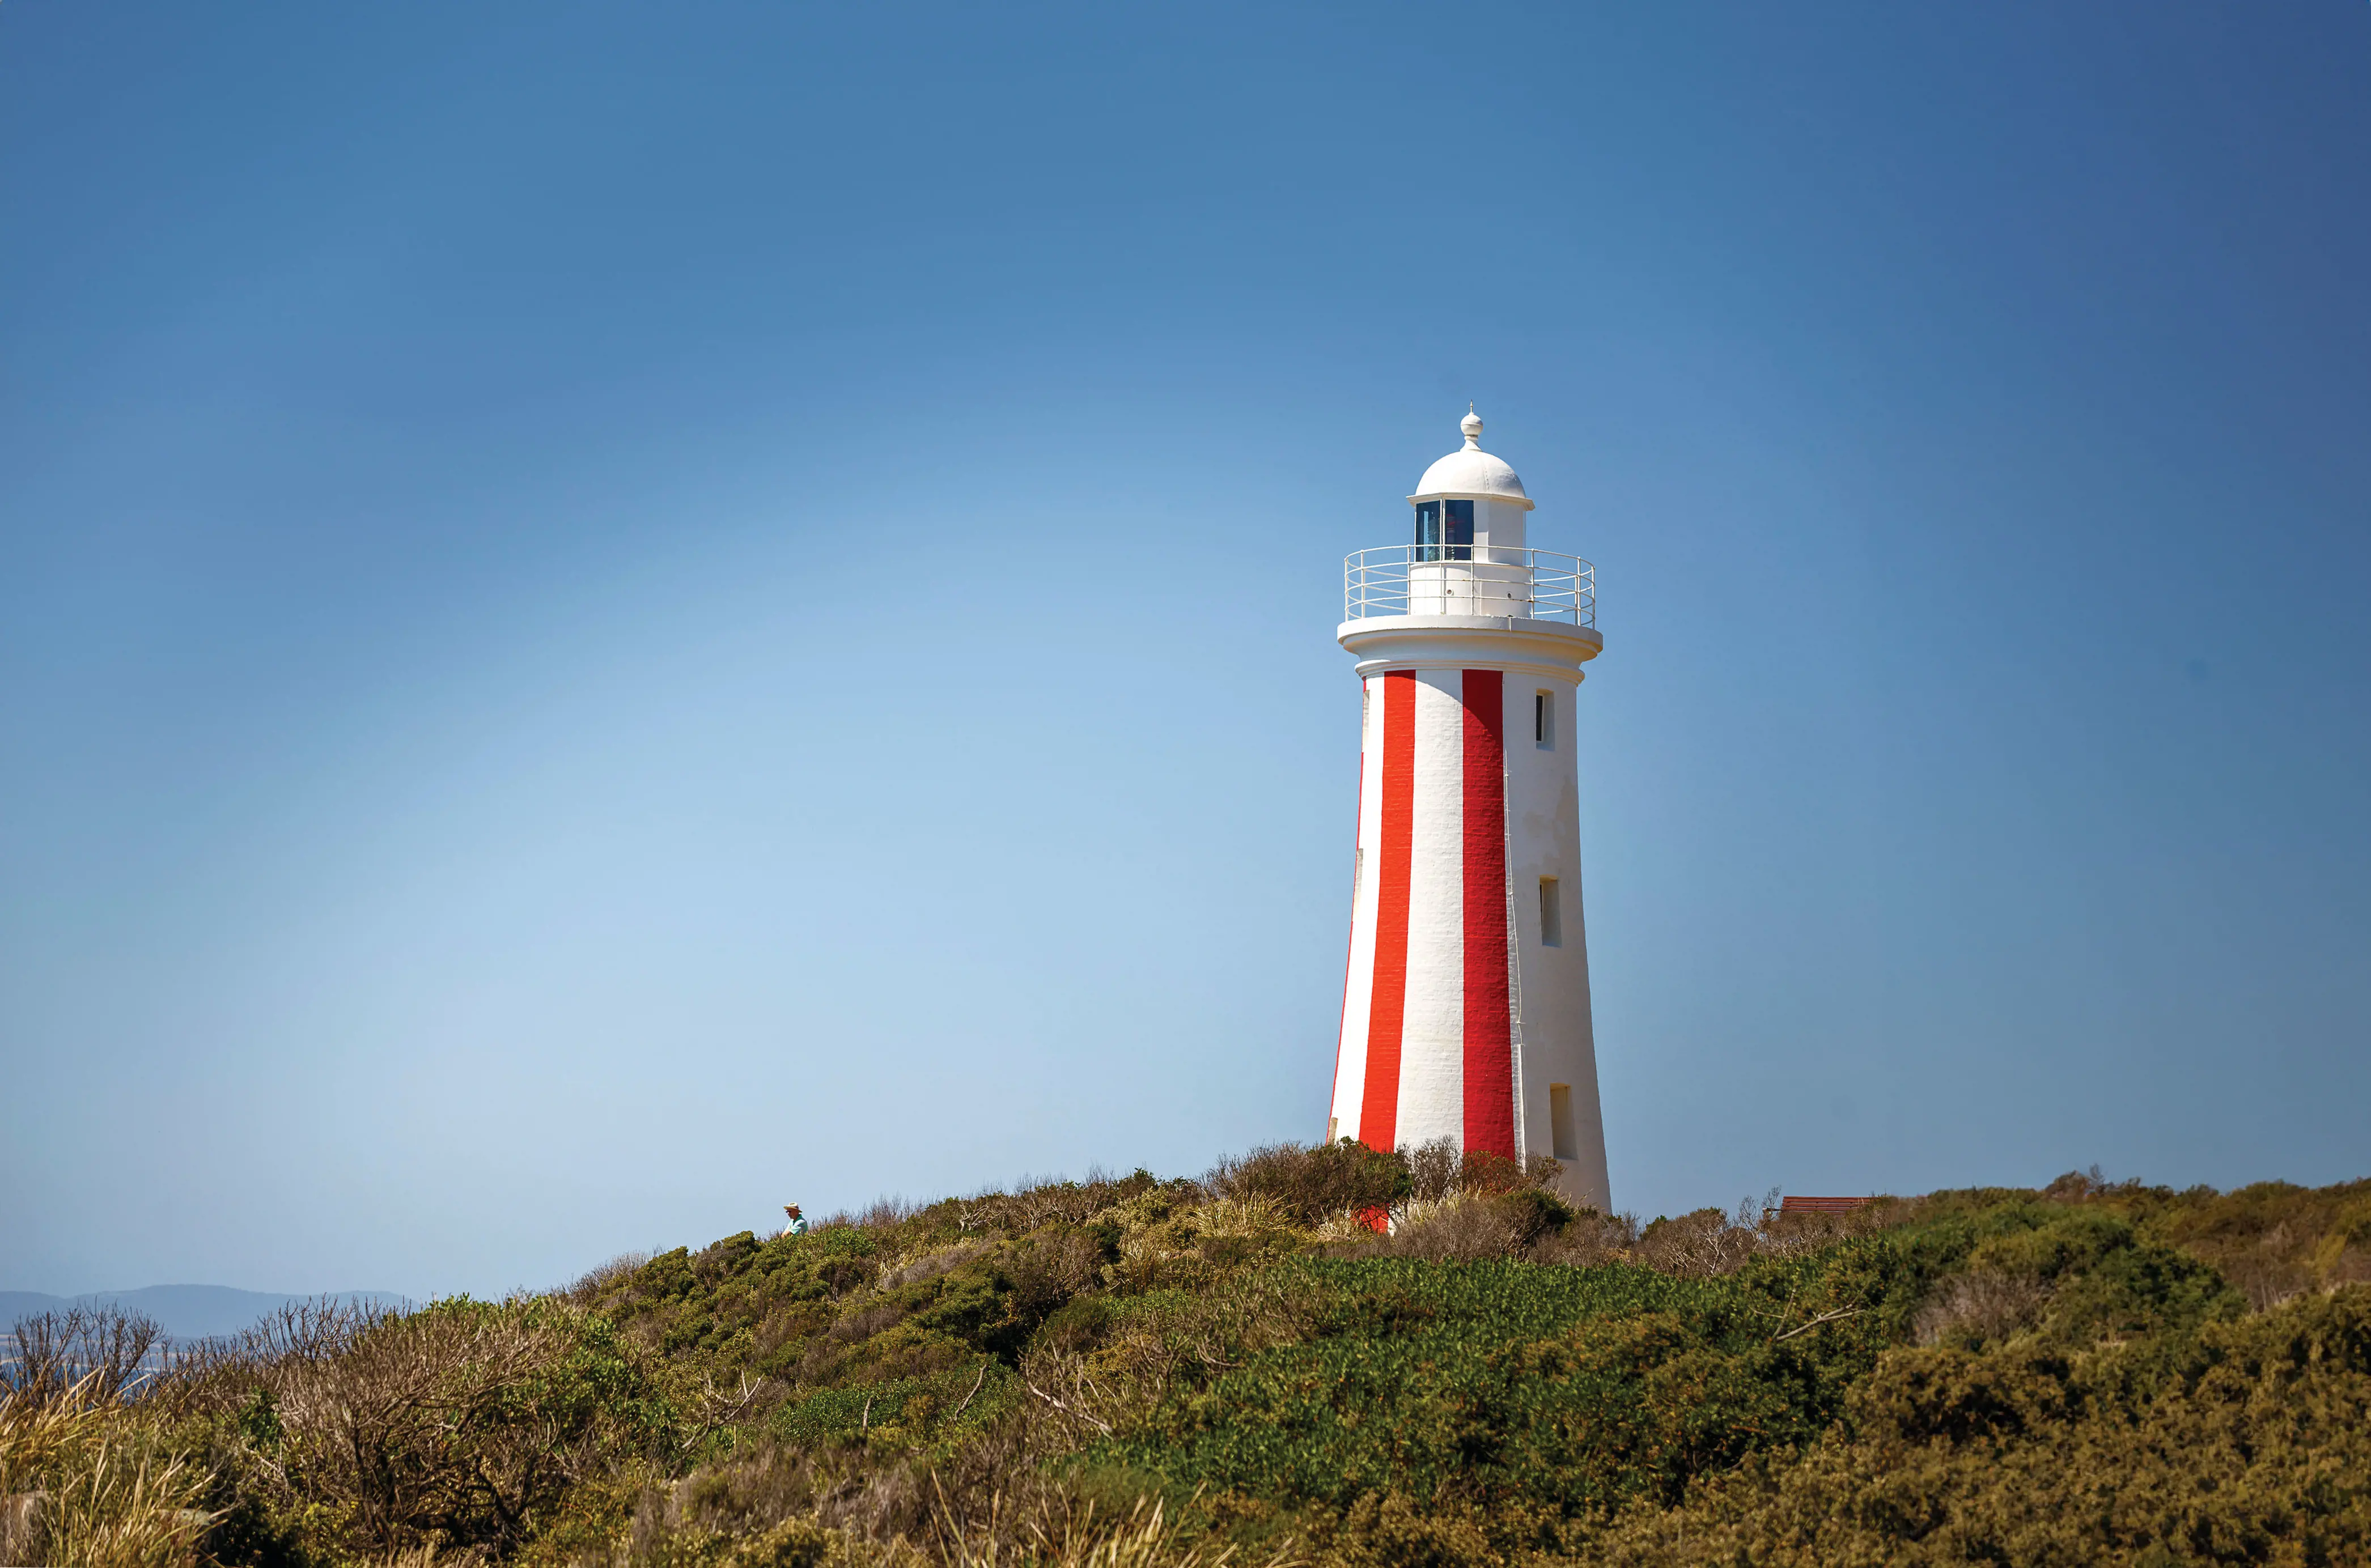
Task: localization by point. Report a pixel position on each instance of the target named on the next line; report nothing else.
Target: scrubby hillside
(1240, 1369)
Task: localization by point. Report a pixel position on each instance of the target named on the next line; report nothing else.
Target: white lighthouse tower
(1465, 1015)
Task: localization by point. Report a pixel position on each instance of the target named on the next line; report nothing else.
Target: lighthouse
(1465, 1014)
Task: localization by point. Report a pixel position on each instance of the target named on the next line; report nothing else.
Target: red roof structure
(1821, 1205)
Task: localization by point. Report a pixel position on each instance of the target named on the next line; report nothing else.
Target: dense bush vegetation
(1244, 1369)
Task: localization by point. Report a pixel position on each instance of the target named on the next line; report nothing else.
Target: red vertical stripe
(1379, 1107)
(1489, 1041)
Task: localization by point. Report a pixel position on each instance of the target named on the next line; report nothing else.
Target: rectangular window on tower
(1544, 720)
(1562, 1142)
(1550, 913)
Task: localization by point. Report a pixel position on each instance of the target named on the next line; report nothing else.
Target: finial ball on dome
(1471, 473)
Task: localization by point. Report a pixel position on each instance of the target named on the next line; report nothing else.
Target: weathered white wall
(1500, 523)
(1544, 840)
(1358, 982)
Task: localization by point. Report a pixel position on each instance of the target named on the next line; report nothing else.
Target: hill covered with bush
(1242, 1369)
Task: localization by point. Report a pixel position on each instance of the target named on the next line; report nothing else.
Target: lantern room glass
(1444, 530)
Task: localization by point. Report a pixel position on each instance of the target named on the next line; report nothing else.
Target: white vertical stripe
(1544, 840)
(1520, 732)
(1358, 995)
(1432, 1050)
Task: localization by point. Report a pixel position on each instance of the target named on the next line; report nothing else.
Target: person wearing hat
(798, 1225)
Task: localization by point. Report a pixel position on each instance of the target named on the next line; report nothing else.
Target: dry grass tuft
(1461, 1227)
(1250, 1218)
(82, 1482)
(1078, 1535)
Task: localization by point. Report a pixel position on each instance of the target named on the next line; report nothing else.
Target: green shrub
(2257, 1451)
(1570, 1391)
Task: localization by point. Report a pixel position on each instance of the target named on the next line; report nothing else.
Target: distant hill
(184, 1312)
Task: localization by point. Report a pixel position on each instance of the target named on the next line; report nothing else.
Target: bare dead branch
(1824, 1317)
(1099, 1424)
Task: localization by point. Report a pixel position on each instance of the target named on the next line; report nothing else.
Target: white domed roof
(1470, 471)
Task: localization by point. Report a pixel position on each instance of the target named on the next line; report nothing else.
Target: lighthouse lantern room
(1465, 1015)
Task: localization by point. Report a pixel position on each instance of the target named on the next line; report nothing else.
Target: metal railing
(1469, 580)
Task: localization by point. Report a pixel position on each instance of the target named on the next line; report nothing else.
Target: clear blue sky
(612, 616)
